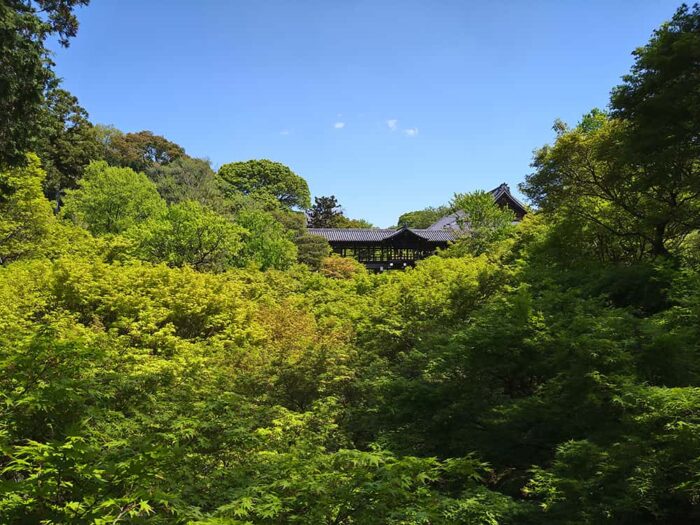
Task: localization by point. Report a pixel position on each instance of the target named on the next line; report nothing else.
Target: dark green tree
(660, 97)
(592, 173)
(327, 212)
(185, 179)
(324, 213)
(67, 142)
(660, 102)
(311, 250)
(25, 67)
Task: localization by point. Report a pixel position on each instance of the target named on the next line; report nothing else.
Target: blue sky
(391, 106)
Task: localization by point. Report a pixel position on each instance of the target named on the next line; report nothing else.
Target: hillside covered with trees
(175, 348)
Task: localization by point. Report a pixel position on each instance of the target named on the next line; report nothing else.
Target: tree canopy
(111, 200)
(139, 151)
(67, 143)
(266, 177)
(324, 213)
(633, 174)
(189, 234)
(25, 216)
(423, 218)
(185, 179)
(483, 222)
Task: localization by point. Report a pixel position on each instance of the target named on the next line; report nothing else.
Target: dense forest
(176, 349)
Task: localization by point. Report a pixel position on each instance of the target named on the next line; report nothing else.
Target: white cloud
(339, 125)
(411, 132)
(392, 123)
(284, 132)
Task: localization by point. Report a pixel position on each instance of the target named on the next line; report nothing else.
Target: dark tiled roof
(503, 189)
(443, 230)
(448, 222)
(351, 234)
(376, 235)
(436, 235)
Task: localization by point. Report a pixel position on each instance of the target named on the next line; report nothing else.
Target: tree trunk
(658, 247)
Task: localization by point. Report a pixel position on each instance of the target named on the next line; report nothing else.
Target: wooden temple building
(389, 249)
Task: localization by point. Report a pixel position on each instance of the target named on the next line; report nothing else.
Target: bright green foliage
(423, 218)
(268, 244)
(592, 177)
(189, 234)
(338, 267)
(25, 215)
(112, 200)
(305, 483)
(484, 222)
(265, 177)
(169, 395)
